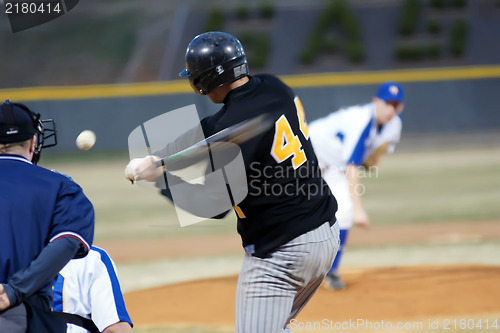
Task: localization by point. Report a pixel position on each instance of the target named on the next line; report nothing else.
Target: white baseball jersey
(89, 288)
(349, 136)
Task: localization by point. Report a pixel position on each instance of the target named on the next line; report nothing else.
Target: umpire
(46, 221)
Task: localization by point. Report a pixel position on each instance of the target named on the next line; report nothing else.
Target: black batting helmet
(213, 59)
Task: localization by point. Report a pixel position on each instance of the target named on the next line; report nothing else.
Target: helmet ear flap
(230, 71)
(195, 84)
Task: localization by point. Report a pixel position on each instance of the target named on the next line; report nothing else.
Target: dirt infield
(388, 294)
(223, 244)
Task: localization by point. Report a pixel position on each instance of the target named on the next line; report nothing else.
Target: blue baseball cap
(390, 91)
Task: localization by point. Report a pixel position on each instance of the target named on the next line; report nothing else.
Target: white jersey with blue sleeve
(349, 136)
(89, 287)
(343, 137)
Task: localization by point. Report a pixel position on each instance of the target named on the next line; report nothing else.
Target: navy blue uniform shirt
(38, 206)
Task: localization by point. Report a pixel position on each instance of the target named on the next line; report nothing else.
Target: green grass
(410, 187)
(438, 186)
(125, 211)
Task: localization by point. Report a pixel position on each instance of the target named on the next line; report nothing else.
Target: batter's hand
(361, 218)
(4, 300)
(143, 169)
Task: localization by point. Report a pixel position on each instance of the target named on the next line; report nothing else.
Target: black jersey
(286, 194)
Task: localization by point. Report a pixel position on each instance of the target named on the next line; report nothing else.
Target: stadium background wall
(431, 108)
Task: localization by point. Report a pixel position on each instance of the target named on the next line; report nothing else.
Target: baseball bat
(235, 134)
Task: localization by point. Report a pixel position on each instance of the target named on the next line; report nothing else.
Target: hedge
(434, 51)
(267, 10)
(408, 19)
(257, 47)
(458, 37)
(410, 52)
(241, 13)
(459, 3)
(438, 3)
(335, 13)
(215, 20)
(434, 26)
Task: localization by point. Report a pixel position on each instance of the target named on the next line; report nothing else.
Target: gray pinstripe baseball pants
(272, 291)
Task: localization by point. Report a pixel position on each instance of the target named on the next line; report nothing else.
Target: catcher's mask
(213, 59)
(18, 123)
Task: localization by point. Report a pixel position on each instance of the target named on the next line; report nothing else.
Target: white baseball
(85, 140)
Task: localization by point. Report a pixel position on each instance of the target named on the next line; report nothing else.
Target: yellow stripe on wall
(407, 75)
(294, 81)
(95, 91)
